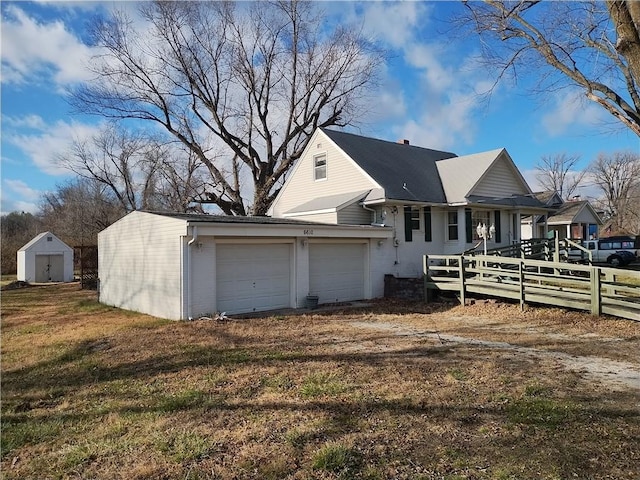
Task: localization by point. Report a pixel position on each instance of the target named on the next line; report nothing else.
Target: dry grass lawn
(383, 392)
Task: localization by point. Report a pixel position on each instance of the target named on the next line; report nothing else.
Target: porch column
(517, 226)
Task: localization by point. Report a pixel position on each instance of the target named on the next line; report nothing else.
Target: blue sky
(429, 94)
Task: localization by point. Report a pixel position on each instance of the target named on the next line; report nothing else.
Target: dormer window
(320, 167)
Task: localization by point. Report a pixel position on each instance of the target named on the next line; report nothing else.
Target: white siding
(139, 264)
(501, 180)
(343, 176)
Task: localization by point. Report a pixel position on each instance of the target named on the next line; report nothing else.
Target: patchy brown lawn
(394, 390)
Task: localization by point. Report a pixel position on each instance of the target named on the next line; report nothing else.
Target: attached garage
(182, 266)
(45, 259)
(337, 271)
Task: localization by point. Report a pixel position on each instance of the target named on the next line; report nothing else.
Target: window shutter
(468, 224)
(408, 231)
(496, 224)
(427, 224)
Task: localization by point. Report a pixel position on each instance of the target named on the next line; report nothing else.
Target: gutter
(194, 238)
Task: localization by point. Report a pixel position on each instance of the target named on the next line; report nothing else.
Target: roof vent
(404, 141)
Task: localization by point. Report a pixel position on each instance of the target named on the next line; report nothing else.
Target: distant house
(575, 219)
(433, 200)
(44, 259)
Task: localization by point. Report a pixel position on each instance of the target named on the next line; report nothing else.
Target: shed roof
(31, 243)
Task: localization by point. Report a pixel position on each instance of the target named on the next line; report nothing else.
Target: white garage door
(49, 268)
(336, 272)
(252, 278)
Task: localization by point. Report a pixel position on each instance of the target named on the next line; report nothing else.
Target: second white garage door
(252, 278)
(336, 271)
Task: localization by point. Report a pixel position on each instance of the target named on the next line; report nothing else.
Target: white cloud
(32, 121)
(22, 189)
(14, 189)
(394, 23)
(570, 110)
(48, 142)
(32, 50)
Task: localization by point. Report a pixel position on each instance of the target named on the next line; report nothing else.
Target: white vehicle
(616, 251)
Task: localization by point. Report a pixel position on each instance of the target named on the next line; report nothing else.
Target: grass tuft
(322, 384)
(336, 458)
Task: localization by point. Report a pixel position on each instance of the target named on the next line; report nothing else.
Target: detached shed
(44, 259)
(181, 266)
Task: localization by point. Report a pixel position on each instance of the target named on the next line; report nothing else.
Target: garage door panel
(253, 277)
(336, 272)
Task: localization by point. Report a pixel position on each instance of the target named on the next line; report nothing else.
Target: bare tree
(557, 173)
(141, 172)
(242, 85)
(79, 209)
(618, 177)
(593, 45)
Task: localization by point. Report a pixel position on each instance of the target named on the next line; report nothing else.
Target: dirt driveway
(600, 349)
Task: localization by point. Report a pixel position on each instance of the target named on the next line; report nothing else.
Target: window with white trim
(320, 167)
(415, 218)
(452, 225)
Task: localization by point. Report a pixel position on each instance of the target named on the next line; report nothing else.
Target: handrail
(598, 290)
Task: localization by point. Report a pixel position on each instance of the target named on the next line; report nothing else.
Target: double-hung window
(320, 167)
(452, 225)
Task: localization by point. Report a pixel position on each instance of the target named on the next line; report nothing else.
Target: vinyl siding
(354, 214)
(139, 264)
(500, 181)
(585, 216)
(342, 176)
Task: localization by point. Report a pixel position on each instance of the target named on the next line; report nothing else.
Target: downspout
(375, 215)
(189, 244)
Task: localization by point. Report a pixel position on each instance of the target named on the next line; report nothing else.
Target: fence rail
(595, 289)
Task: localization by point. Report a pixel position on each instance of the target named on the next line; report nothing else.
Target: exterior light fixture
(484, 234)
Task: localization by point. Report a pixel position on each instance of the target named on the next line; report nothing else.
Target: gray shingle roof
(406, 172)
(208, 218)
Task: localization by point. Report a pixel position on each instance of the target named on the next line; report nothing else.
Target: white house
(353, 209)
(182, 266)
(44, 259)
(432, 200)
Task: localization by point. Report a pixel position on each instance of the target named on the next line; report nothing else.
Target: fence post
(596, 294)
(521, 281)
(556, 248)
(463, 299)
(425, 271)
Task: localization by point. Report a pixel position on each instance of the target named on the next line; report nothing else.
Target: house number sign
(308, 231)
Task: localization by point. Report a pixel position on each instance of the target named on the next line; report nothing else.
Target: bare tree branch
(242, 86)
(586, 44)
(557, 173)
